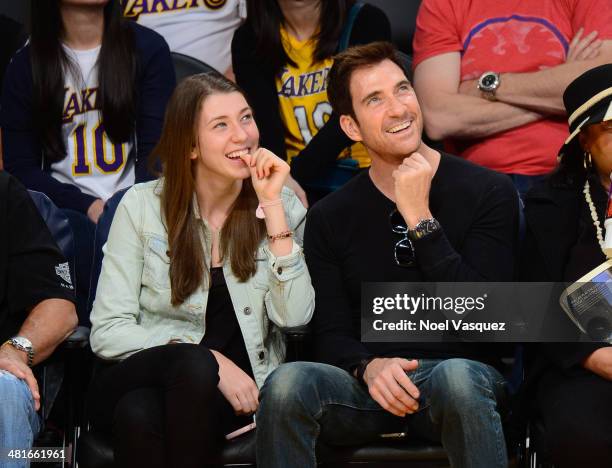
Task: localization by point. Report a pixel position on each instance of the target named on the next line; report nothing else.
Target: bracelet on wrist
(259, 212)
(280, 235)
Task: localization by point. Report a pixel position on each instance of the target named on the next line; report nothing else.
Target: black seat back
(185, 66)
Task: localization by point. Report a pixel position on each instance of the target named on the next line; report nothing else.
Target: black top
(370, 25)
(560, 245)
(348, 240)
(586, 253)
(223, 332)
(32, 268)
(12, 36)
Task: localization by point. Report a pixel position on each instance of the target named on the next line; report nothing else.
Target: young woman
(201, 270)
(82, 107)
(281, 58)
(572, 382)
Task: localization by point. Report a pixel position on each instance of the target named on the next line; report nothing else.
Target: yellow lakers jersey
(302, 95)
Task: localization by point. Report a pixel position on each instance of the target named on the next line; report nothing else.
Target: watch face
(489, 81)
(428, 226)
(424, 227)
(23, 342)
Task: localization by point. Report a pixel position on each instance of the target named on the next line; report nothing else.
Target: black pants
(577, 414)
(163, 407)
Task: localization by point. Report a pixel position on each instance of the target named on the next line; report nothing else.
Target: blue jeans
(19, 422)
(459, 406)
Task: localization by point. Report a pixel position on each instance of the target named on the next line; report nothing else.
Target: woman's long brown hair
(242, 231)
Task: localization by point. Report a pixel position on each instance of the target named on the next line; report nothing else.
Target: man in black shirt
(461, 220)
(36, 311)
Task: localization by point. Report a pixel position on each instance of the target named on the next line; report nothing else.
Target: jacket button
(279, 270)
(261, 355)
(247, 311)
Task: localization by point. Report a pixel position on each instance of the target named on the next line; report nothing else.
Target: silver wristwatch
(23, 344)
(488, 84)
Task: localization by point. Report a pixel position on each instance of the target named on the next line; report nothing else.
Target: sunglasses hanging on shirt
(404, 250)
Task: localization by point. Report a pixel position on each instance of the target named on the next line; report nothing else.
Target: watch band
(424, 228)
(28, 350)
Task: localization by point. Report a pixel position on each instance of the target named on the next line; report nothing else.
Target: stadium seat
(57, 223)
(402, 15)
(185, 66)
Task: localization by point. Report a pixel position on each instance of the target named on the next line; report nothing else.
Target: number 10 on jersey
(108, 157)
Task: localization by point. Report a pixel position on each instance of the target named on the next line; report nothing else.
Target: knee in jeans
(15, 397)
(193, 364)
(289, 384)
(460, 383)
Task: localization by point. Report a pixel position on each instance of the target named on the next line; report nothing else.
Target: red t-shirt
(509, 36)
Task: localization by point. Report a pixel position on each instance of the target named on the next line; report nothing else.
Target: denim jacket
(132, 310)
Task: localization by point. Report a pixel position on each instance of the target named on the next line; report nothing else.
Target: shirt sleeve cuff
(287, 266)
(433, 250)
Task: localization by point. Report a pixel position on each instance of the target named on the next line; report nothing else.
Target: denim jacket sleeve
(290, 298)
(116, 332)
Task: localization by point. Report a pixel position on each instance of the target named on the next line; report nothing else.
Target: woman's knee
(193, 365)
(139, 414)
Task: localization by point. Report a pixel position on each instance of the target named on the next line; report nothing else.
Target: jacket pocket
(156, 272)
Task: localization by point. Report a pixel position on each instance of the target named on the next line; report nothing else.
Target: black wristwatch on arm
(423, 228)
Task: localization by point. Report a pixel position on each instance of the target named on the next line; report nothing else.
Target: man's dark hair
(346, 63)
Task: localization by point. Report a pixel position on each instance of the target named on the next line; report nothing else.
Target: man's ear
(350, 127)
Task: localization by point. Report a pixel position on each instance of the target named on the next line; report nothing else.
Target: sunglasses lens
(398, 225)
(404, 253)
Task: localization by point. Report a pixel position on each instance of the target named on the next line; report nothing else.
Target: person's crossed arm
(457, 109)
(542, 91)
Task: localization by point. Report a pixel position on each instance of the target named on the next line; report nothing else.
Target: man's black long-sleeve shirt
(348, 240)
